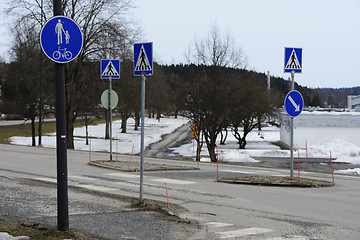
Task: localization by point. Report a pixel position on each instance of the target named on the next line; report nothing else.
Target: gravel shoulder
(98, 216)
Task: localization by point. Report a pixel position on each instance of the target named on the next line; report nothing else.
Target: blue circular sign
(294, 103)
(61, 39)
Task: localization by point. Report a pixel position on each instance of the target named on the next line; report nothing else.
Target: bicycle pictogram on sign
(61, 39)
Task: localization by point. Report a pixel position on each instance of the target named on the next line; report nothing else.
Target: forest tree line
(214, 89)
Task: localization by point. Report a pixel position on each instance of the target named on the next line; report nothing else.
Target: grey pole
(62, 178)
(292, 132)
(110, 109)
(41, 81)
(143, 78)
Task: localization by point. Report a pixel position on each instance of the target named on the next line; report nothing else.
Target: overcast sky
(327, 30)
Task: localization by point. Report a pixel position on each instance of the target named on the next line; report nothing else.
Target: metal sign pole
(292, 131)
(143, 78)
(110, 109)
(62, 180)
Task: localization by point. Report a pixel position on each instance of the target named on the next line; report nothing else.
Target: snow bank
(355, 171)
(259, 143)
(126, 141)
(340, 149)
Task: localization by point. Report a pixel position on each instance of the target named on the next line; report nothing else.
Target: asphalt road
(224, 211)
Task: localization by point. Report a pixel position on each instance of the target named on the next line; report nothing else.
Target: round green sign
(105, 99)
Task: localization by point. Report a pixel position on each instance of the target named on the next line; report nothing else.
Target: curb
(145, 170)
(261, 182)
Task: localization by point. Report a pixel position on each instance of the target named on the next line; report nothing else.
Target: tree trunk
(87, 133)
(210, 139)
(70, 118)
(222, 137)
(123, 122)
(137, 120)
(33, 130)
(242, 143)
(158, 114)
(107, 125)
(259, 123)
(199, 144)
(70, 133)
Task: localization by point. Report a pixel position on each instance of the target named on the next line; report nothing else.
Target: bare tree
(207, 98)
(22, 77)
(216, 49)
(107, 32)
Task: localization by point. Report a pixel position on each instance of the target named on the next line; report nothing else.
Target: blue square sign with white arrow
(293, 60)
(110, 68)
(143, 59)
(294, 103)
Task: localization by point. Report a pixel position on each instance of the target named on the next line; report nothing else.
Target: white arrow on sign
(297, 107)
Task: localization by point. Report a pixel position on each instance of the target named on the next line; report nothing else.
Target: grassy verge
(40, 232)
(24, 130)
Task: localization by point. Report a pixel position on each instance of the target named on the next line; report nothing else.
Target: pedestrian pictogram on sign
(143, 59)
(61, 39)
(110, 68)
(293, 60)
(143, 63)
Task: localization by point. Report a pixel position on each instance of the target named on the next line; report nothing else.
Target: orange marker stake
(198, 155)
(167, 196)
(332, 170)
(90, 150)
(307, 162)
(217, 163)
(116, 148)
(298, 167)
(132, 150)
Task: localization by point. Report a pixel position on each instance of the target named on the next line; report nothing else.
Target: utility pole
(41, 81)
(62, 174)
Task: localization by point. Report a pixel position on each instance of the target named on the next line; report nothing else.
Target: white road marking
(96, 188)
(82, 178)
(234, 171)
(292, 237)
(126, 175)
(173, 181)
(219, 224)
(45, 179)
(244, 232)
(253, 172)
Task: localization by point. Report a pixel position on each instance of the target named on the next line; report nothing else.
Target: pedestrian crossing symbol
(143, 59)
(110, 68)
(293, 60)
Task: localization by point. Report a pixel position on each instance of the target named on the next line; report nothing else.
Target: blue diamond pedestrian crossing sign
(61, 39)
(143, 59)
(293, 60)
(294, 103)
(110, 68)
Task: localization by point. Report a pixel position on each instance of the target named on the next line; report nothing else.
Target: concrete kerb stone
(135, 167)
(277, 181)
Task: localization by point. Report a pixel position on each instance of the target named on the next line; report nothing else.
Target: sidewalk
(20, 122)
(134, 166)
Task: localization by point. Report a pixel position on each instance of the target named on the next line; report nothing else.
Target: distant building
(319, 127)
(353, 102)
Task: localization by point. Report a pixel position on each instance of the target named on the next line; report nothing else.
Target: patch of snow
(6, 236)
(126, 141)
(354, 171)
(339, 148)
(259, 143)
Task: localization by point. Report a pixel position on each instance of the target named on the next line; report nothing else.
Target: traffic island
(278, 181)
(126, 166)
